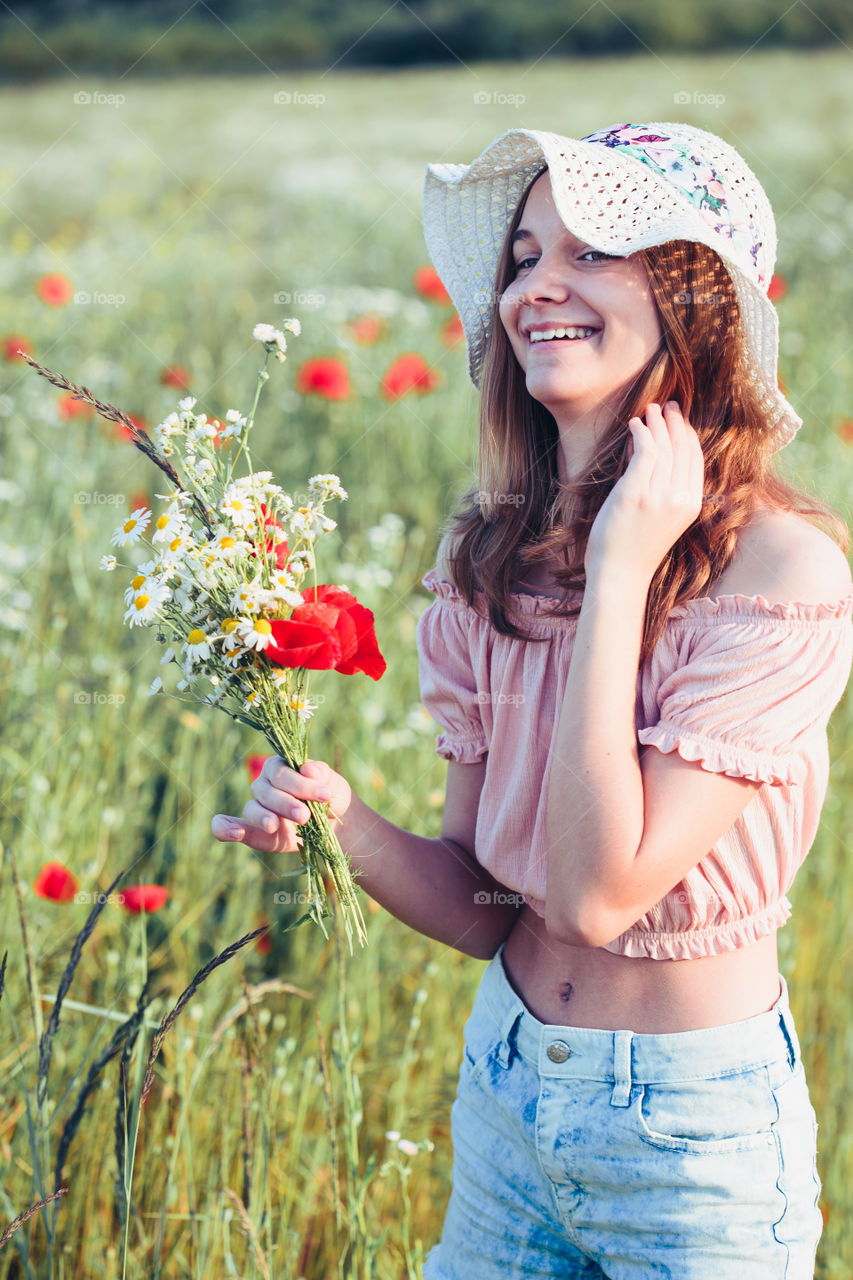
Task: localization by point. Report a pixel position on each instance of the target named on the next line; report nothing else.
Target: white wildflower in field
(293, 326)
(129, 533)
(197, 646)
(156, 687)
(327, 484)
(255, 633)
(146, 605)
(108, 563)
(272, 338)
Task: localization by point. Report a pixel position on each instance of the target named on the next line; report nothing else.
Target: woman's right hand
(270, 820)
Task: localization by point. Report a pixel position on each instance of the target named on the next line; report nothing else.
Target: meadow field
(183, 213)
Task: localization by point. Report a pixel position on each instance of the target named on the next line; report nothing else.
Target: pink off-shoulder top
(741, 685)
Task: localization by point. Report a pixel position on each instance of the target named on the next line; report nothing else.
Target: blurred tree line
(161, 37)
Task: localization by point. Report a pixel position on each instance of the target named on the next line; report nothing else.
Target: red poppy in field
(367, 329)
(845, 430)
(428, 284)
(55, 289)
(330, 631)
(254, 764)
(67, 407)
(175, 375)
(12, 343)
(139, 499)
(137, 898)
(409, 372)
(778, 288)
(323, 376)
(451, 332)
(218, 424)
(55, 882)
(263, 944)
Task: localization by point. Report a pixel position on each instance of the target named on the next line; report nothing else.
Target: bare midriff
(589, 987)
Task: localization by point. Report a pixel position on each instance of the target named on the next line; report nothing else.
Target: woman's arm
(435, 885)
(621, 834)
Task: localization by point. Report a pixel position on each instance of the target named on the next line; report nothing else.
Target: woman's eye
(523, 262)
(597, 253)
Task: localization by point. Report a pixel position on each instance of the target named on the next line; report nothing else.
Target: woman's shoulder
(783, 557)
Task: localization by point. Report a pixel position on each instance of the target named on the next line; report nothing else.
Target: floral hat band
(720, 196)
(620, 189)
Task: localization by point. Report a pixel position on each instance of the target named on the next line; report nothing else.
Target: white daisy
(238, 506)
(145, 605)
(272, 338)
(307, 520)
(328, 484)
(167, 525)
(303, 707)
(293, 326)
(129, 533)
(255, 633)
(187, 404)
(108, 563)
(252, 700)
(248, 598)
(197, 646)
(226, 546)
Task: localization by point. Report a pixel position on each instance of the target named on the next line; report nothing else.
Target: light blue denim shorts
(581, 1152)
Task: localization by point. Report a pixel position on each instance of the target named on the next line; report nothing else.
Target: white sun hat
(619, 190)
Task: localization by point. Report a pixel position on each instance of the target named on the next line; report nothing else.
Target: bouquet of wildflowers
(225, 586)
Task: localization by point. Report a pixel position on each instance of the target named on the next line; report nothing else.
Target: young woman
(639, 634)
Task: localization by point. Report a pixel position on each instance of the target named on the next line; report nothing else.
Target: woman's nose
(545, 282)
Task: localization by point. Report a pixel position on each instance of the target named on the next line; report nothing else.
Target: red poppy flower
(323, 376)
(777, 288)
(428, 284)
(367, 329)
(55, 289)
(451, 331)
(67, 407)
(409, 372)
(12, 343)
(255, 764)
(175, 375)
(218, 425)
(56, 883)
(137, 898)
(330, 631)
(845, 430)
(139, 499)
(263, 944)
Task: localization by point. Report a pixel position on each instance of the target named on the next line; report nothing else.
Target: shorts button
(558, 1051)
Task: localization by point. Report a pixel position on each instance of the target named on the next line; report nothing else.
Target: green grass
(195, 203)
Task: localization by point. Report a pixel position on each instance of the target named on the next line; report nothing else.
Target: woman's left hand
(654, 501)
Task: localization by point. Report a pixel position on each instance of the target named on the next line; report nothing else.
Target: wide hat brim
(614, 203)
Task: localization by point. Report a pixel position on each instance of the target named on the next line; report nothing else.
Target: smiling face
(602, 305)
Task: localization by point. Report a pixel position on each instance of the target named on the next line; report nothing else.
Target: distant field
(181, 211)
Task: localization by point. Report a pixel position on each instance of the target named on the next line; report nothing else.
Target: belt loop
(621, 1095)
(507, 1045)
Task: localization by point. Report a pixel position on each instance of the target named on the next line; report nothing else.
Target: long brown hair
(522, 514)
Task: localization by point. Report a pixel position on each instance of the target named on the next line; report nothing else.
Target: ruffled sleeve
(447, 680)
(757, 687)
